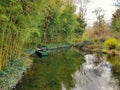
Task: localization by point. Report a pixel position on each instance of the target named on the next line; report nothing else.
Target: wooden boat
(41, 53)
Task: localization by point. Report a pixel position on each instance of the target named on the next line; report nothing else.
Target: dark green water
(67, 69)
(51, 72)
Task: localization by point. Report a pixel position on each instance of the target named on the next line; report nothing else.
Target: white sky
(107, 5)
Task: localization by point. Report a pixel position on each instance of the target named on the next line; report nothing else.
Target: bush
(10, 76)
(118, 47)
(111, 43)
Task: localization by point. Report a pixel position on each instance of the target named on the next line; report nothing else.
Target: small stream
(67, 69)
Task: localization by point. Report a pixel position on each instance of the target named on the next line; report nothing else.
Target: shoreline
(11, 76)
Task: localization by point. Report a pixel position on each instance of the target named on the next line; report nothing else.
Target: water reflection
(48, 73)
(115, 61)
(95, 74)
(67, 69)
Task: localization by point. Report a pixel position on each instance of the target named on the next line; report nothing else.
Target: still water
(68, 69)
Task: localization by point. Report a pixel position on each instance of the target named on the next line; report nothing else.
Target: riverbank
(48, 73)
(56, 46)
(10, 76)
(90, 46)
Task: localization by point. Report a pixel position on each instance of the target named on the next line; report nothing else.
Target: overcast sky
(107, 5)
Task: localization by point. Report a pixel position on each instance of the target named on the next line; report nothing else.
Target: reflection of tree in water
(115, 61)
(94, 76)
(60, 65)
(48, 73)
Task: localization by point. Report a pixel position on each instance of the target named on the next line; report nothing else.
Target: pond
(68, 69)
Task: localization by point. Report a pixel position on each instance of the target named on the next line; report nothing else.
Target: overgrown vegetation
(9, 77)
(26, 23)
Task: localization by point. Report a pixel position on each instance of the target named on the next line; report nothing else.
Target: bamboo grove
(26, 23)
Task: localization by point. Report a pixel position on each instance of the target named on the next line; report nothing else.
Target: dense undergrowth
(10, 76)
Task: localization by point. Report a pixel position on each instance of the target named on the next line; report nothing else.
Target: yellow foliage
(87, 35)
(111, 42)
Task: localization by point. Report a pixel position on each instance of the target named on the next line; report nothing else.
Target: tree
(116, 20)
(51, 20)
(67, 20)
(80, 26)
(117, 3)
(100, 27)
(18, 26)
(82, 4)
(26, 23)
(99, 12)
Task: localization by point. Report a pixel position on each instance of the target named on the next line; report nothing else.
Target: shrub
(111, 43)
(118, 47)
(10, 76)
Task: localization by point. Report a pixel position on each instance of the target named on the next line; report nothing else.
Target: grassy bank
(10, 76)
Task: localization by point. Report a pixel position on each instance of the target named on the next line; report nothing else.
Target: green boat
(41, 53)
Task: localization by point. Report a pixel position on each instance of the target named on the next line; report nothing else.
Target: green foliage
(116, 25)
(104, 50)
(115, 61)
(16, 28)
(26, 23)
(86, 35)
(116, 22)
(10, 76)
(80, 26)
(49, 72)
(68, 21)
(111, 43)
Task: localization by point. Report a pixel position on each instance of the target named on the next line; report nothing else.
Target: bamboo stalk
(0, 59)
